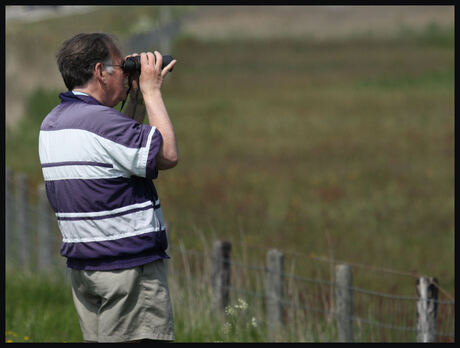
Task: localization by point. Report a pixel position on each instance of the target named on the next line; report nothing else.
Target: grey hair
(78, 56)
(108, 65)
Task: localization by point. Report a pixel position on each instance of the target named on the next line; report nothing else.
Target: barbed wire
(330, 283)
(331, 312)
(354, 264)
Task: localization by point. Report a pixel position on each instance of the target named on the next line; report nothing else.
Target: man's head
(93, 59)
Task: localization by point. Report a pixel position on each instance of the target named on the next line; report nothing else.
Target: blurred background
(325, 132)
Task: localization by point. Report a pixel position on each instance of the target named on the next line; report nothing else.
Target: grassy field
(341, 148)
(288, 141)
(39, 309)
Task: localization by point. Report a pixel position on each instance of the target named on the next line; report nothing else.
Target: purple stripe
(110, 215)
(147, 243)
(92, 195)
(98, 119)
(74, 163)
(109, 264)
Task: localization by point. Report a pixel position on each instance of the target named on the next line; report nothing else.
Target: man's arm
(150, 80)
(159, 118)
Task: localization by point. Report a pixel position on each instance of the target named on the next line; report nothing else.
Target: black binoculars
(133, 64)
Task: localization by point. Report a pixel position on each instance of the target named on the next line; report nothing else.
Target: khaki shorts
(124, 305)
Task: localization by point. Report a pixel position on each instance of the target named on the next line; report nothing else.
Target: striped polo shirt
(98, 167)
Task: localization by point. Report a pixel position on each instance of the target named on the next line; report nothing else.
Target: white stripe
(107, 238)
(81, 172)
(145, 154)
(68, 145)
(106, 212)
(128, 225)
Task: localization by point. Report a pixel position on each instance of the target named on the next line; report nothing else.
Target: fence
(31, 230)
(357, 314)
(287, 299)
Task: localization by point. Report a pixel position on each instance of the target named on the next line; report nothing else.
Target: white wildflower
(229, 310)
(241, 304)
(254, 322)
(226, 328)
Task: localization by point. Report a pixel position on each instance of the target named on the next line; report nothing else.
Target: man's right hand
(152, 76)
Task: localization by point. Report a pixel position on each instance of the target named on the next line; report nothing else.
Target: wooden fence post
(22, 221)
(9, 213)
(344, 303)
(427, 306)
(44, 230)
(220, 275)
(274, 292)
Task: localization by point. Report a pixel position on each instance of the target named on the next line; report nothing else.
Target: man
(98, 167)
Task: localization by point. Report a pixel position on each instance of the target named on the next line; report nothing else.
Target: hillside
(31, 44)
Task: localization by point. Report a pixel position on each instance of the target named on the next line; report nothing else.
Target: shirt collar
(79, 93)
(75, 97)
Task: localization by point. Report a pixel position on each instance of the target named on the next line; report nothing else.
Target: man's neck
(89, 91)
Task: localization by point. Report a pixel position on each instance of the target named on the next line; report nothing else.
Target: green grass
(33, 302)
(39, 309)
(343, 149)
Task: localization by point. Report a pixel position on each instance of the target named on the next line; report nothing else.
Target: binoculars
(133, 64)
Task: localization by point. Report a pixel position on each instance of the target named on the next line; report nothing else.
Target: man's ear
(99, 72)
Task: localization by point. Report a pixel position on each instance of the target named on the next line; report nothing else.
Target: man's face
(116, 82)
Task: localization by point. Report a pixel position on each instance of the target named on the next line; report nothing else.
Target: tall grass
(39, 308)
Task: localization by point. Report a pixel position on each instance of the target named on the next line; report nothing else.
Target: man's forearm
(159, 118)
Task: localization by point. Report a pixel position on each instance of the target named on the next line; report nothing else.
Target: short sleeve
(151, 168)
(134, 146)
